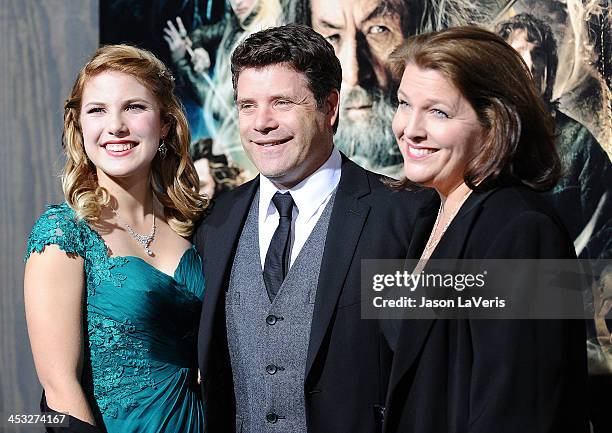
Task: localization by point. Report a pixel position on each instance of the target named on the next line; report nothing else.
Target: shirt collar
(309, 194)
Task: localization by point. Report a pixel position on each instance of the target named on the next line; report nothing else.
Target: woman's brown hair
(518, 144)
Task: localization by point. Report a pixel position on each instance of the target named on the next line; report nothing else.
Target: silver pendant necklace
(433, 240)
(143, 240)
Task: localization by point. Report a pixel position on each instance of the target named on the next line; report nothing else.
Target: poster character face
(121, 125)
(283, 131)
(533, 55)
(243, 8)
(363, 34)
(437, 130)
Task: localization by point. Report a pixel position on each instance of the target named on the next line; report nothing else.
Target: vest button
(271, 369)
(272, 417)
(271, 319)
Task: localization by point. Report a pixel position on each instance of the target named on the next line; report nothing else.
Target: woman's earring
(162, 149)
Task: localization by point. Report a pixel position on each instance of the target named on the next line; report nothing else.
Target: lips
(419, 152)
(270, 143)
(119, 146)
(357, 112)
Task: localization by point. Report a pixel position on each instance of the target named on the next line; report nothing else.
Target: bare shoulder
(54, 269)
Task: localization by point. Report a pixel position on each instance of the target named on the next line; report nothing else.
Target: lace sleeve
(57, 226)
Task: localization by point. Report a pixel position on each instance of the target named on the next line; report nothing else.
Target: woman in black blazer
(470, 124)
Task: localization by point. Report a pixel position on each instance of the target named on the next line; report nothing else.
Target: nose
(117, 126)
(265, 120)
(412, 126)
(355, 61)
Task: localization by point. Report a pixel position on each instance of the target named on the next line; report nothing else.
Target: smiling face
(363, 34)
(284, 133)
(437, 130)
(120, 121)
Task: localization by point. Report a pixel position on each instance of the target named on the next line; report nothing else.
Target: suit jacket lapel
(422, 228)
(346, 223)
(222, 236)
(453, 242)
(413, 333)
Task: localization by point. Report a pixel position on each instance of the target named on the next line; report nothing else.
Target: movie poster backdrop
(567, 44)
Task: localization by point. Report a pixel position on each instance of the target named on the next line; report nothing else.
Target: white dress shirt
(309, 196)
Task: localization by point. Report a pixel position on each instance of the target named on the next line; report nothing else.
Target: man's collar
(309, 194)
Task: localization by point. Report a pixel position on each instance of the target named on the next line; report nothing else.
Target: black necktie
(278, 258)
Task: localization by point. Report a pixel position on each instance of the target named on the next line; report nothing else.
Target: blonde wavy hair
(174, 179)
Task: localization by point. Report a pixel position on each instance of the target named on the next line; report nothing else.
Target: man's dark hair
(298, 46)
(540, 34)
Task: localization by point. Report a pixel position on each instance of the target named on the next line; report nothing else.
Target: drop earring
(162, 149)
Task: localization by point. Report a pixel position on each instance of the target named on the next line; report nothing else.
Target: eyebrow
(132, 100)
(428, 101)
(126, 102)
(383, 8)
(272, 97)
(401, 93)
(329, 25)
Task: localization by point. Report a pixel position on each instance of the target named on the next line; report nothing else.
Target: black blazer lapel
(453, 242)
(222, 236)
(346, 223)
(422, 228)
(412, 337)
(413, 333)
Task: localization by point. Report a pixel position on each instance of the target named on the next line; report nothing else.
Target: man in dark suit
(282, 346)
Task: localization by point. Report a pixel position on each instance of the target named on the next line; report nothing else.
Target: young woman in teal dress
(113, 287)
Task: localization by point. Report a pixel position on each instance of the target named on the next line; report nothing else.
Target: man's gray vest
(268, 342)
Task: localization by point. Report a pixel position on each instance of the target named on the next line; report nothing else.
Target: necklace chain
(433, 239)
(143, 240)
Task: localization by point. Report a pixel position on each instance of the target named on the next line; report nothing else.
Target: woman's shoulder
(517, 222)
(517, 202)
(58, 225)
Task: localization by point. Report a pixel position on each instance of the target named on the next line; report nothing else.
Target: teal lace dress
(141, 331)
